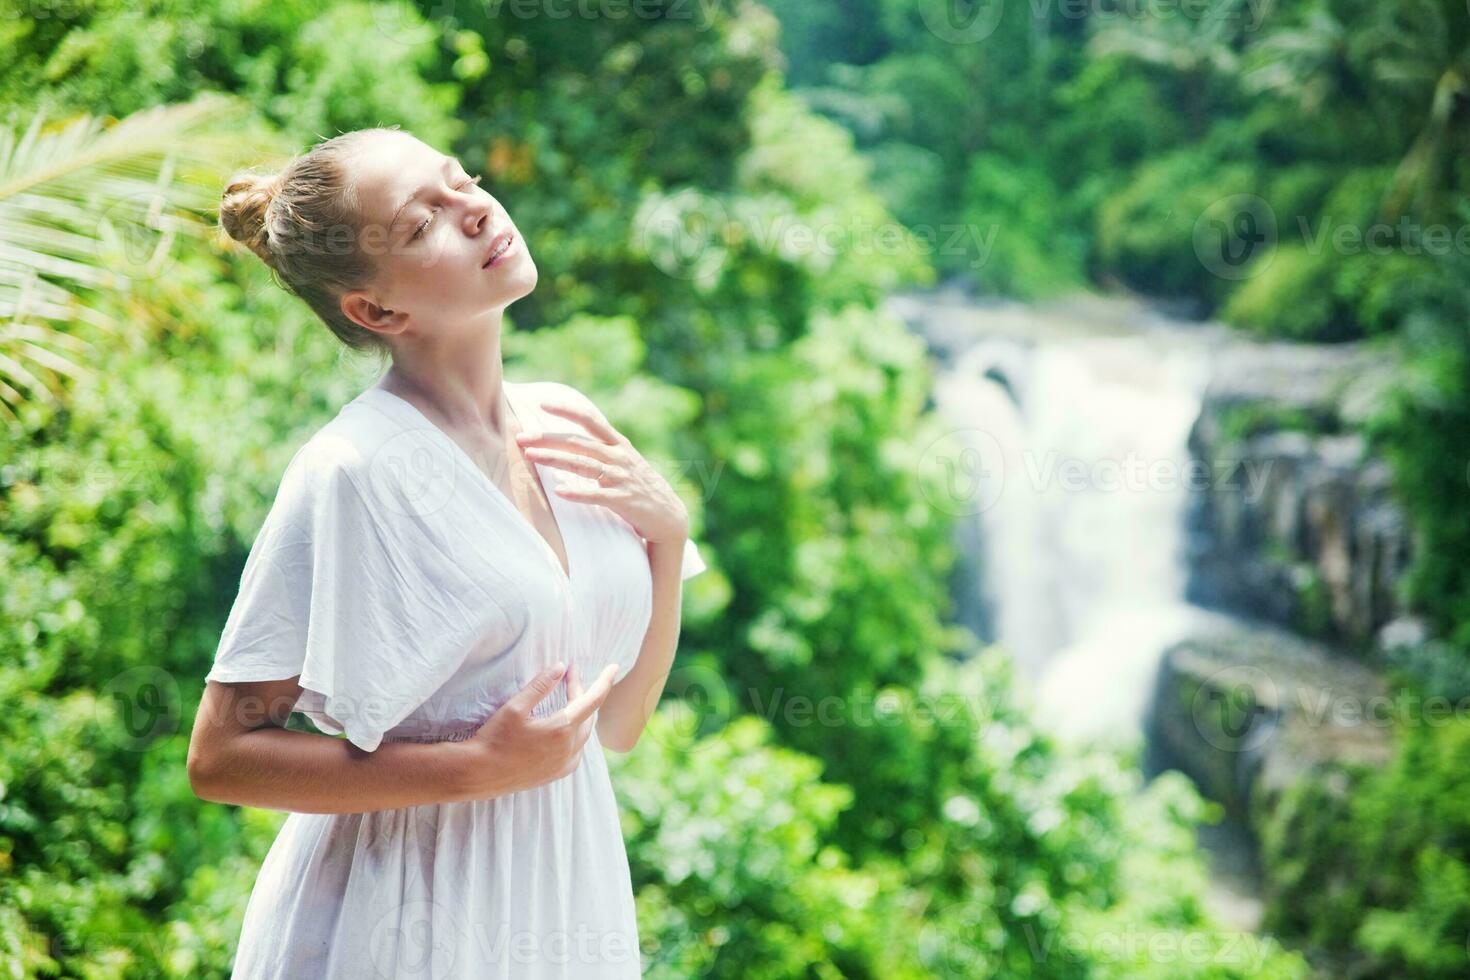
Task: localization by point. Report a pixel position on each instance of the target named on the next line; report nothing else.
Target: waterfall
(1079, 445)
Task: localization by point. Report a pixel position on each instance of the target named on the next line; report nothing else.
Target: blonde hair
(304, 223)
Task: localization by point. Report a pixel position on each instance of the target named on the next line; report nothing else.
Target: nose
(478, 216)
(477, 211)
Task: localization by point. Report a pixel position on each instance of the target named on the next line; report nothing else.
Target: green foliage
(1015, 240)
(1422, 429)
(1146, 232)
(1291, 297)
(1381, 859)
(880, 837)
(1351, 273)
(728, 841)
(1115, 138)
(300, 63)
(1247, 419)
(1162, 880)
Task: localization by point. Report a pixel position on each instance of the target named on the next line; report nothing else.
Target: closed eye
(423, 225)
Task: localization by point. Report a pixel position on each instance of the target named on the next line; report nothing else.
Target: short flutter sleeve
(357, 601)
(693, 562)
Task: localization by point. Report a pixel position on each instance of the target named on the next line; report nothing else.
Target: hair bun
(243, 210)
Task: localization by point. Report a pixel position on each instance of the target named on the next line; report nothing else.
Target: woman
(414, 589)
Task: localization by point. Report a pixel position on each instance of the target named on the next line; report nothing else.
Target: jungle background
(154, 381)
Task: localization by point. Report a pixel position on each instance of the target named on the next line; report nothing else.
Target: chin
(526, 279)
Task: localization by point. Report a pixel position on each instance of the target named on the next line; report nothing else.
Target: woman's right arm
(241, 753)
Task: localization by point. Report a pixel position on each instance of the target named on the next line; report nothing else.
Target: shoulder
(331, 463)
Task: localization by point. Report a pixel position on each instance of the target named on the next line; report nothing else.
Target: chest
(519, 484)
(596, 588)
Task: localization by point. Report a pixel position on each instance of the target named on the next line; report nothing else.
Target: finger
(587, 703)
(589, 495)
(578, 442)
(535, 692)
(594, 423)
(574, 686)
(581, 465)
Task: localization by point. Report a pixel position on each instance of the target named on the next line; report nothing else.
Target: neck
(461, 378)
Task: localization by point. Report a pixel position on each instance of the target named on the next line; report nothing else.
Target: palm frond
(89, 206)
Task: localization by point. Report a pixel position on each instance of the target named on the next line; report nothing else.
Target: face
(431, 228)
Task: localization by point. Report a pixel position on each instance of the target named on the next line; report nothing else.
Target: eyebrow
(412, 197)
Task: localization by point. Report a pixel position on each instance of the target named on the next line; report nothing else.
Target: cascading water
(1068, 472)
(1083, 479)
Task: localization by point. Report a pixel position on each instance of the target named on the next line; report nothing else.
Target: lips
(499, 246)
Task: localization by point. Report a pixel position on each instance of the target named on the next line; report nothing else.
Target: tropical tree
(89, 206)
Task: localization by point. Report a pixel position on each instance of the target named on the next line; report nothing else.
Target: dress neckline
(565, 575)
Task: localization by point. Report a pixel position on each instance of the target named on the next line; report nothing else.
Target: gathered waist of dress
(458, 735)
(447, 722)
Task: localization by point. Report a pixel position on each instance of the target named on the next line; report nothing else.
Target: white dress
(413, 598)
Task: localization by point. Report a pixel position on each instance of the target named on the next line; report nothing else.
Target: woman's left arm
(625, 712)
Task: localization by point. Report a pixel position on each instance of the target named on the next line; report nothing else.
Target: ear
(361, 307)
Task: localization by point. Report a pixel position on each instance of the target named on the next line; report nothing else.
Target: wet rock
(1303, 530)
(1247, 709)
